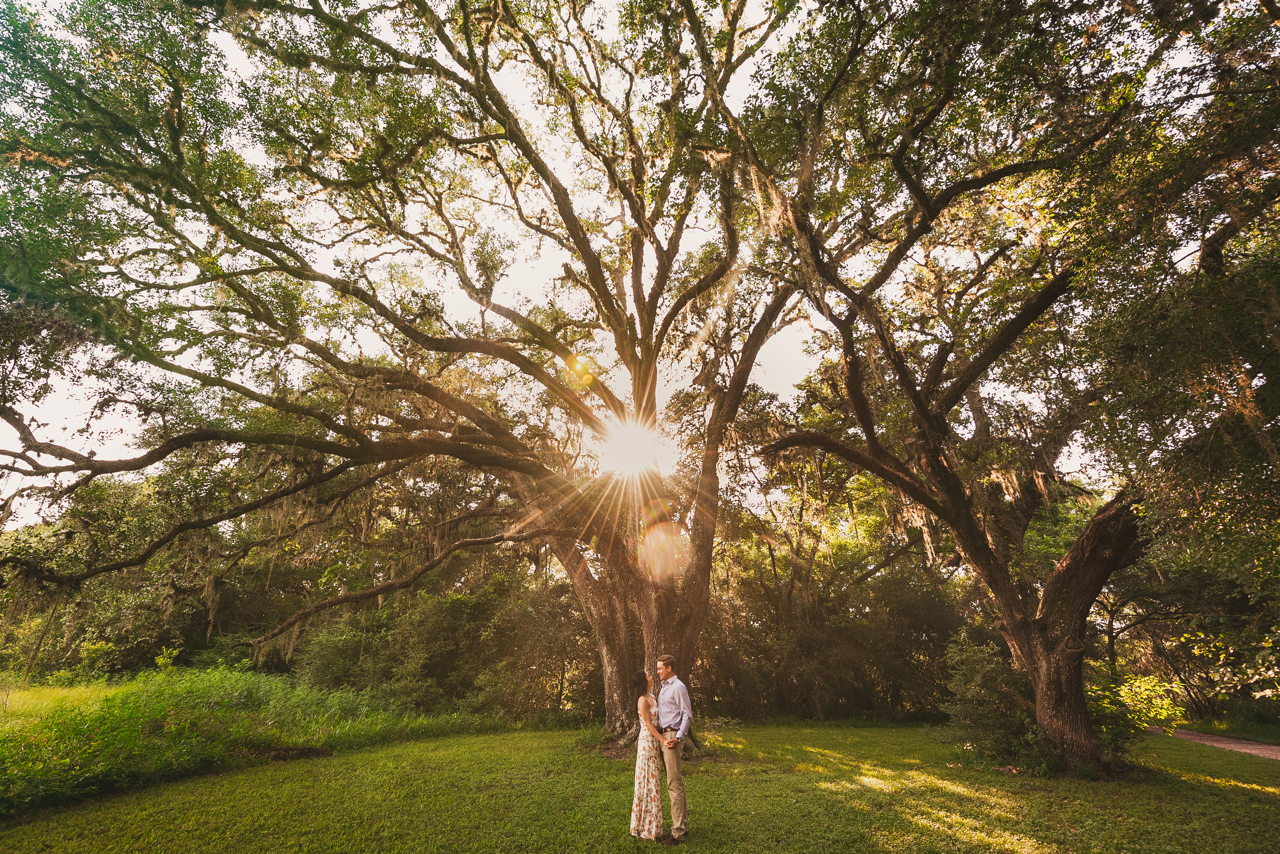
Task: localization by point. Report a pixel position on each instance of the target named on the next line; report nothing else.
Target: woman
(646, 809)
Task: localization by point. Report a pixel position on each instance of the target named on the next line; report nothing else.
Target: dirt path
(1257, 748)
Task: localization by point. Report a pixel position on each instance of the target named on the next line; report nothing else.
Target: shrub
(1113, 722)
(1150, 701)
(990, 707)
(1121, 710)
(96, 664)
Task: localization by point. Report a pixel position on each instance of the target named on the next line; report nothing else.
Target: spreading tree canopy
(267, 214)
(970, 215)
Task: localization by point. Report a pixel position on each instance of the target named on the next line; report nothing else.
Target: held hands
(671, 742)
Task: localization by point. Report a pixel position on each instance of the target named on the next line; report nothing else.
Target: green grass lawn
(784, 789)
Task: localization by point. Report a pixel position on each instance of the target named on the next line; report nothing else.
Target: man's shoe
(670, 841)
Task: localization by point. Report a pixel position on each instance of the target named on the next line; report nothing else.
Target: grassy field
(783, 789)
(69, 744)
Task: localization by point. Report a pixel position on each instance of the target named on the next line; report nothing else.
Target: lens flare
(664, 551)
(664, 545)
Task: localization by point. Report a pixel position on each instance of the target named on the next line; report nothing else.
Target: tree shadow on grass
(923, 805)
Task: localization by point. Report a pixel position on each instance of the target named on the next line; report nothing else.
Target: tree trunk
(606, 612)
(616, 666)
(1111, 541)
(672, 619)
(671, 627)
(670, 602)
(1057, 678)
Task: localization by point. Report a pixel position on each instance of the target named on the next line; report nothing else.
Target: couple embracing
(664, 723)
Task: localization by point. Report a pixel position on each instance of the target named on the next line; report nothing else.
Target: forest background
(402, 304)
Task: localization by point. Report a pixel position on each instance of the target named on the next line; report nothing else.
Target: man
(674, 717)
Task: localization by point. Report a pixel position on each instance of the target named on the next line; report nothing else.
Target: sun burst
(631, 448)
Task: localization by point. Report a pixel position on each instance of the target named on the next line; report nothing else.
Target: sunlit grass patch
(1207, 765)
(968, 830)
(19, 703)
(1215, 781)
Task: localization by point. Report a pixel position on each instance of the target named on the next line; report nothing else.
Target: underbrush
(175, 723)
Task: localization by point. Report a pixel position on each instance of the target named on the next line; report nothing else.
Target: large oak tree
(269, 204)
(271, 210)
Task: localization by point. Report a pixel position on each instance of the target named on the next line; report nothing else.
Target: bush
(180, 722)
(1150, 701)
(1113, 722)
(990, 708)
(1121, 710)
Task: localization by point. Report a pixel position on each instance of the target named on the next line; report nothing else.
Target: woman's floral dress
(646, 809)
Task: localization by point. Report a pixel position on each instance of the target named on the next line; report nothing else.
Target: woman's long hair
(640, 683)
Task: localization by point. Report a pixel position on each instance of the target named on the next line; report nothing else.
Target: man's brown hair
(668, 660)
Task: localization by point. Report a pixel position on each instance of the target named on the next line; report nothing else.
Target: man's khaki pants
(675, 787)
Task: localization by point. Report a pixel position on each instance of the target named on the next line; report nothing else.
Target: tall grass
(172, 724)
(22, 704)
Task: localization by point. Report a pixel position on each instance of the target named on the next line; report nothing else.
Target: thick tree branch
(886, 471)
